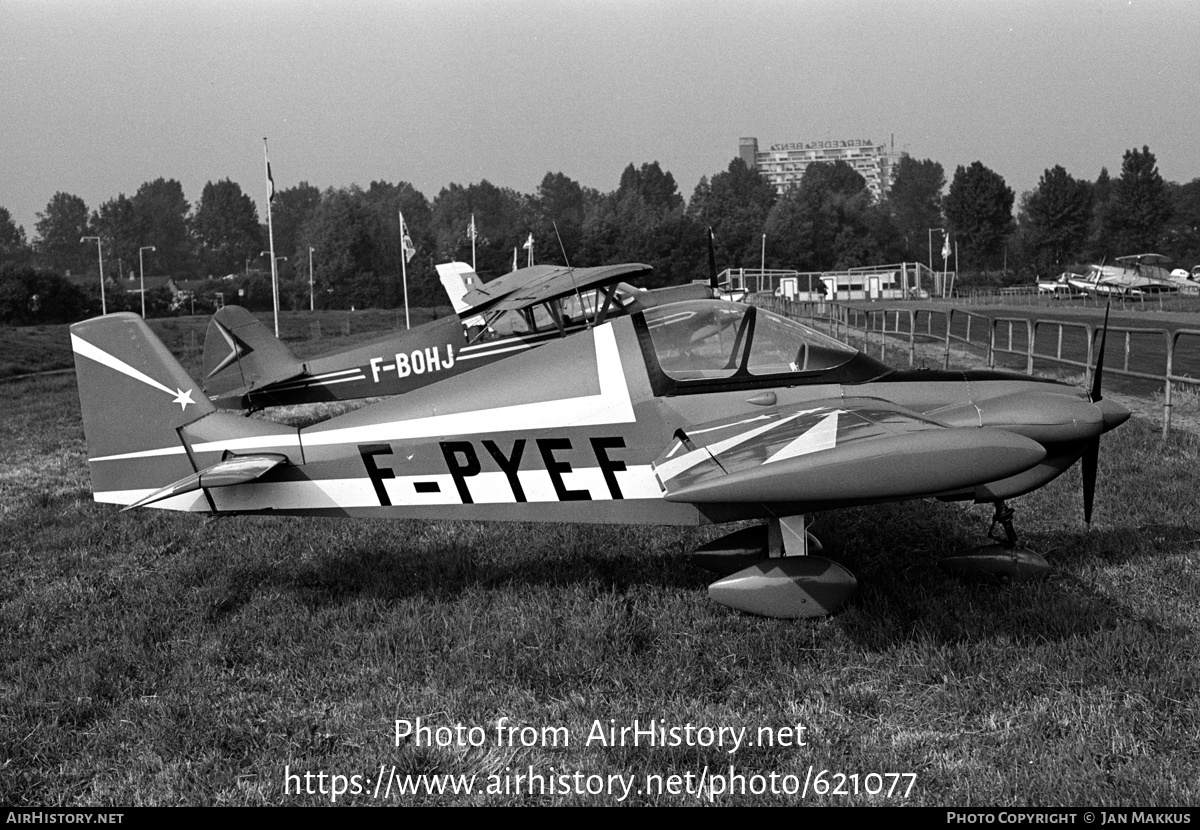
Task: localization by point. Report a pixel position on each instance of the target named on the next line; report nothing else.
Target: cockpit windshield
(706, 340)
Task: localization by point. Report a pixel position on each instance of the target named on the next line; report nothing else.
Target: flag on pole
(270, 178)
(946, 248)
(471, 233)
(406, 243)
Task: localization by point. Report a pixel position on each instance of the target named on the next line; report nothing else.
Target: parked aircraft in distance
(680, 414)
(1133, 276)
(1060, 286)
(246, 367)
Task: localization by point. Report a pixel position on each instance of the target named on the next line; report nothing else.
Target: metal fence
(1153, 354)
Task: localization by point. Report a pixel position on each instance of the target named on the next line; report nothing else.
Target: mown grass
(152, 658)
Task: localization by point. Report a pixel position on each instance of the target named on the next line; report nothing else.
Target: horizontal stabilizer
(233, 470)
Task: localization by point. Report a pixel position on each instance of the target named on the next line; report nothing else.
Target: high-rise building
(783, 164)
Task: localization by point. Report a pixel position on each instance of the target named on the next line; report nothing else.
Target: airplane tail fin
(241, 355)
(148, 424)
(458, 279)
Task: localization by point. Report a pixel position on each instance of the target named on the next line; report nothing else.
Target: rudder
(241, 355)
(141, 412)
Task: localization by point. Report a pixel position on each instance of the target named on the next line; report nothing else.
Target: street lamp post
(310, 278)
(100, 253)
(142, 272)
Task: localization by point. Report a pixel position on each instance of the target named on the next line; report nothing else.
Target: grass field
(153, 658)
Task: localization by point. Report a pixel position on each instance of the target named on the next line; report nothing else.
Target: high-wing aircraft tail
(152, 435)
(241, 355)
(457, 279)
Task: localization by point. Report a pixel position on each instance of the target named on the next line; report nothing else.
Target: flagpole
(271, 238)
(474, 233)
(404, 268)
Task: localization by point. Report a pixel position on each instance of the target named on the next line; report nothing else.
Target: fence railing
(1032, 341)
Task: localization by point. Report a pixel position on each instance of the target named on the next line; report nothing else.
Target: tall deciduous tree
(13, 247)
(559, 208)
(290, 212)
(735, 204)
(116, 224)
(1058, 216)
(915, 200)
(503, 220)
(1100, 237)
(979, 210)
(59, 229)
(656, 187)
(162, 213)
(1183, 231)
(826, 221)
(1140, 206)
(226, 228)
(341, 230)
(386, 202)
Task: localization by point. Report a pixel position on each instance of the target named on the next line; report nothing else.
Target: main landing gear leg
(1004, 561)
(1004, 518)
(788, 582)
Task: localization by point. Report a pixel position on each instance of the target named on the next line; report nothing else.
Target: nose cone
(1113, 413)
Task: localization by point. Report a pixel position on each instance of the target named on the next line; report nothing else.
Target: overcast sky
(98, 97)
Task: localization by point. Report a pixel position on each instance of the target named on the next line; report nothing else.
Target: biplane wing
(537, 284)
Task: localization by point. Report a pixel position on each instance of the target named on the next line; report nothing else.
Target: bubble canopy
(708, 340)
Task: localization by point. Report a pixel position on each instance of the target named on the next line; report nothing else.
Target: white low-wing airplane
(680, 414)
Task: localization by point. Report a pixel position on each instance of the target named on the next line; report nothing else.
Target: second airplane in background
(246, 367)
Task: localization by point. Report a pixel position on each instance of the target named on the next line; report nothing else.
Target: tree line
(352, 237)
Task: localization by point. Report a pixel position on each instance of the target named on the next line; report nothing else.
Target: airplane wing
(541, 283)
(835, 453)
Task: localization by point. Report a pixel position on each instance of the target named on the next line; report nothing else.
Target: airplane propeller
(1091, 455)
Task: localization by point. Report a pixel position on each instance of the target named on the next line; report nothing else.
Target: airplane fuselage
(571, 432)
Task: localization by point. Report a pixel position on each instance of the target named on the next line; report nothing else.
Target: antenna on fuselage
(571, 273)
